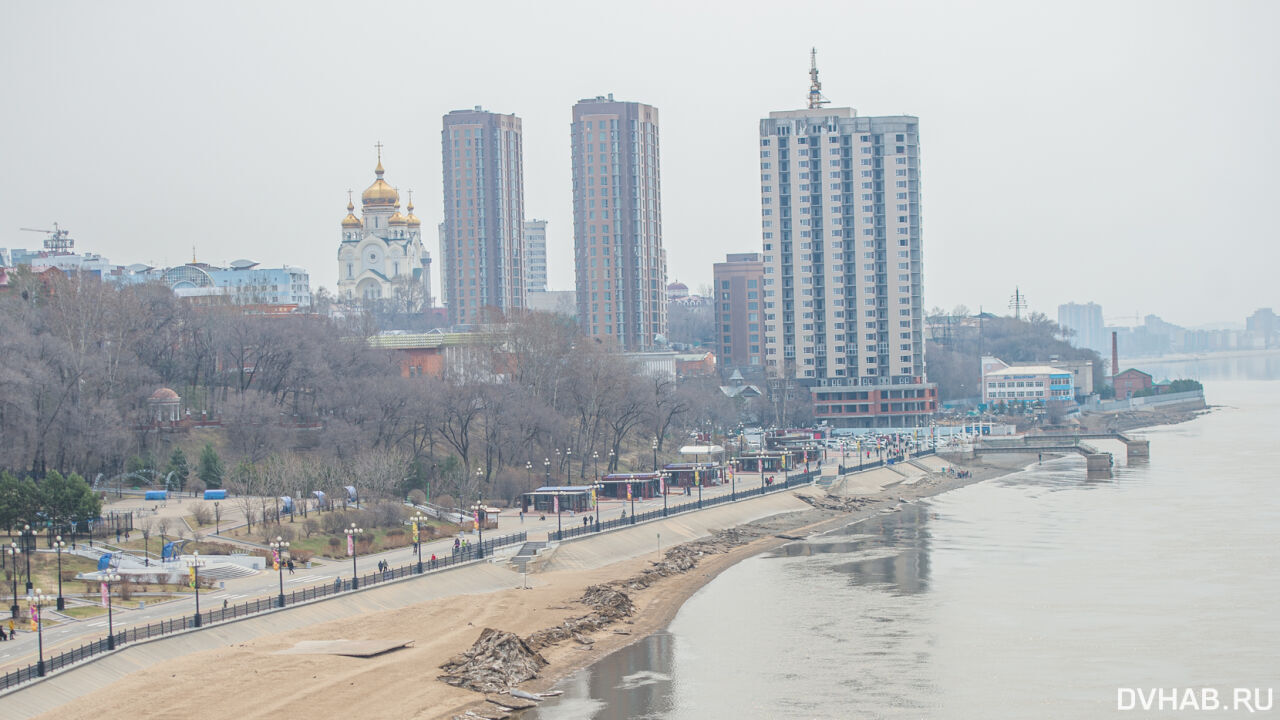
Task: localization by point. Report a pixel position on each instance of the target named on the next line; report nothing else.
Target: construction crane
(58, 240)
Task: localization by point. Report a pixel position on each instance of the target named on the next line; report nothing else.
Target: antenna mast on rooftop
(816, 100)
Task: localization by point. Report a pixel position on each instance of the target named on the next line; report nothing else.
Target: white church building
(382, 250)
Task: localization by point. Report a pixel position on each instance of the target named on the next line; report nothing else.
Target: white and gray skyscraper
(535, 256)
(1086, 320)
(840, 197)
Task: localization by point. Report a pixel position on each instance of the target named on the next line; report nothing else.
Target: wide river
(1037, 595)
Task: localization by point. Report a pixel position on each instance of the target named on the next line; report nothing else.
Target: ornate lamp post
(28, 546)
(546, 465)
(36, 600)
(598, 488)
(280, 546)
(655, 454)
(217, 518)
(568, 466)
(195, 563)
(528, 468)
(108, 580)
(595, 466)
(13, 551)
(59, 544)
(352, 532)
(418, 521)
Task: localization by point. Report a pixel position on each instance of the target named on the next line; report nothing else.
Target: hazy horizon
(1083, 152)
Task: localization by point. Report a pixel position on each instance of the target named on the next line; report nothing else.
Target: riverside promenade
(587, 553)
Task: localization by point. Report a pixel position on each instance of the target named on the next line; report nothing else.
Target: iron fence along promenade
(788, 482)
(252, 607)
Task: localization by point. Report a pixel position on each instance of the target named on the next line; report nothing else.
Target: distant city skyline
(1073, 139)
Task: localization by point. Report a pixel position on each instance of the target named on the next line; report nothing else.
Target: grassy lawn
(44, 572)
(81, 612)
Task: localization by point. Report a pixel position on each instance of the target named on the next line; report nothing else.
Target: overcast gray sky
(1121, 152)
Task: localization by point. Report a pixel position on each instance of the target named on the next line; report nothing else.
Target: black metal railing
(251, 607)
(790, 481)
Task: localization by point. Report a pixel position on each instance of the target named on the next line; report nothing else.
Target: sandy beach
(250, 678)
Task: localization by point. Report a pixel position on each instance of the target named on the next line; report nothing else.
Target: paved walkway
(589, 552)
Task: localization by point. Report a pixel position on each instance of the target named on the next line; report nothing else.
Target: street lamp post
(568, 466)
(654, 444)
(107, 580)
(280, 546)
(28, 546)
(546, 465)
(351, 533)
(195, 564)
(59, 544)
(597, 488)
(559, 525)
(217, 518)
(418, 521)
(697, 478)
(528, 468)
(595, 466)
(36, 600)
(13, 551)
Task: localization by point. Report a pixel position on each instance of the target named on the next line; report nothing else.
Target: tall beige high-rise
(620, 266)
(481, 245)
(843, 300)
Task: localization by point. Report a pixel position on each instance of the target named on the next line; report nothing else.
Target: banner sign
(415, 531)
(104, 594)
(192, 579)
(556, 501)
(34, 612)
(628, 491)
(351, 545)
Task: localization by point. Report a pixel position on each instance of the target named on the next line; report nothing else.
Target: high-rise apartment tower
(482, 246)
(620, 266)
(843, 300)
(535, 256)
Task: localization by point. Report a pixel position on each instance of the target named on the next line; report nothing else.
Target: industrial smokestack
(1115, 358)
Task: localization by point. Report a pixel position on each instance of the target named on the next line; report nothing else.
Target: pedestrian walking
(13, 631)
(290, 566)
(3, 637)
(433, 561)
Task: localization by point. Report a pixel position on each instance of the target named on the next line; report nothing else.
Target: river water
(1040, 594)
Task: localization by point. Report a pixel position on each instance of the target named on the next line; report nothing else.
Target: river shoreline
(443, 617)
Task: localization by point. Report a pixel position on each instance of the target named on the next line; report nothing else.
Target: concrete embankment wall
(600, 550)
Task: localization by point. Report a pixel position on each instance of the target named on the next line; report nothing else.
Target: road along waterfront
(1037, 594)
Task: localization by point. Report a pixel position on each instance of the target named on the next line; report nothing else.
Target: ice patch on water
(642, 678)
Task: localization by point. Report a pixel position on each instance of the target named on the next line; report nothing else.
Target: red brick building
(1129, 382)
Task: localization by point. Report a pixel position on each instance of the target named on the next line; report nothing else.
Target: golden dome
(411, 218)
(351, 221)
(380, 194)
(397, 218)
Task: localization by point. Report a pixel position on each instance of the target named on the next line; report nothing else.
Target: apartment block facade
(739, 315)
(620, 265)
(1086, 320)
(535, 256)
(482, 245)
(842, 262)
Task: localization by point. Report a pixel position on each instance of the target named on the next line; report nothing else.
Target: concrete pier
(1098, 464)
(1137, 449)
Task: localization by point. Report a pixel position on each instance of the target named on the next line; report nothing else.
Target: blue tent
(319, 495)
(169, 552)
(351, 493)
(104, 561)
(286, 504)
